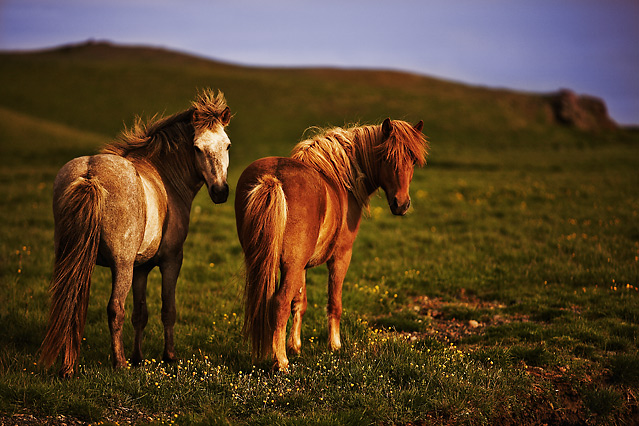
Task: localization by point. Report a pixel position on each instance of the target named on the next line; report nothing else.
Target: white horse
(128, 209)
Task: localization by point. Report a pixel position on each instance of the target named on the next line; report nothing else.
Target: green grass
(508, 294)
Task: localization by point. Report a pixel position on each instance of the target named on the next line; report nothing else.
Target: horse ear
(387, 127)
(419, 126)
(225, 117)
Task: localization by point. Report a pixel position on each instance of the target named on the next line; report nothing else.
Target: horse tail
(263, 234)
(79, 214)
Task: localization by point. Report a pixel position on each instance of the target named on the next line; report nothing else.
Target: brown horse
(296, 213)
(128, 209)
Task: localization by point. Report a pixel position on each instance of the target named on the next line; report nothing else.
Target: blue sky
(590, 46)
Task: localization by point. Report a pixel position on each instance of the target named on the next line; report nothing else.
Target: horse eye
(197, 148)
(228, 147)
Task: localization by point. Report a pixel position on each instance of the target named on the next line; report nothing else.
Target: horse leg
(122, 277)
(299, 309)
(291, 282)
(337, 268)
(140, 315)
(170, 270)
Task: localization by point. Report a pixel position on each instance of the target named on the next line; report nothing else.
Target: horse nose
(219, 194)
(399, 209)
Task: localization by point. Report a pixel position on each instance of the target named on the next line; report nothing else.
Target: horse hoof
(120, 365)
(65, 373)
(172, 359)
(280, 367)
(294, 349)
(335, 343)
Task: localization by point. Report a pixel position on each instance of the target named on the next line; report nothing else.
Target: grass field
(508, 295)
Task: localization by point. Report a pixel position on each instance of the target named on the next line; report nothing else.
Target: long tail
(263, 233)
(78, 236)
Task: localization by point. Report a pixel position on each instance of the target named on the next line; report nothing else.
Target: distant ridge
(104, 49)
(450, 101)
(583, 112)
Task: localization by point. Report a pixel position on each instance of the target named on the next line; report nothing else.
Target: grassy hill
(98, 87)
(508, 294)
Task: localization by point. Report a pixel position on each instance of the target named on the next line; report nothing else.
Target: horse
(295, 213)
(127, 208)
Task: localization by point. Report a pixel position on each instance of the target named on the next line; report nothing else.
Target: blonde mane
(349, 157)
(165, 144)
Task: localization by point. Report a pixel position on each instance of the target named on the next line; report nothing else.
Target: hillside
(98, 87)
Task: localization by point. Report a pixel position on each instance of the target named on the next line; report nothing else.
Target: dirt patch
(453, 321)
(557, 392)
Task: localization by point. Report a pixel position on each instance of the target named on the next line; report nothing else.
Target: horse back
(315, 208)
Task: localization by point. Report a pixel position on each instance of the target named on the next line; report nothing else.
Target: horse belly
(328, 232)
(323, 249)
(154, 222)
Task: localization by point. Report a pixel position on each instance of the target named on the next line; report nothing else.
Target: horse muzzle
(399, 208)
(219, 194)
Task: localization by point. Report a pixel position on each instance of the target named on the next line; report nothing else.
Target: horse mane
(209, 110)
(155, 137)
(404, 145)
(350, 156)
(166, 143)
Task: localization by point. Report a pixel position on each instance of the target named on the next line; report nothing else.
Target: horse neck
(365, 160)
(184, 182)
(177, 170)
(162, 147)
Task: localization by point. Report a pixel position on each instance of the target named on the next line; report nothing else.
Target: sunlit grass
(378, 376)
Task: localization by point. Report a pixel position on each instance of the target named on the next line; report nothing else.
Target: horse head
(403, 150)
(212, 145)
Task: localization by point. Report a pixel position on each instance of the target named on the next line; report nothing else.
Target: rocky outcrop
(580, 111)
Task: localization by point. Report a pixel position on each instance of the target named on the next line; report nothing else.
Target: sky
(589, 46)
